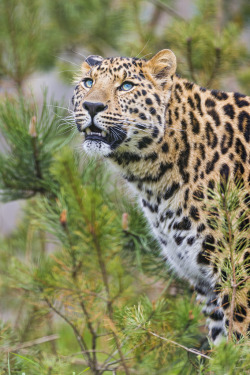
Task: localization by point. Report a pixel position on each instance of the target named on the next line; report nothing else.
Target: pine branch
(216, 67)
(109, 303)
(36, 158)
(63, 220)
(194, 351)
(32, 142)
(240, 282)
(92, 331)
(114, 363)
(226, 213)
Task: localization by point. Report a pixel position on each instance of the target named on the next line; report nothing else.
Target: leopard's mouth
(113, 137)
(93, 133)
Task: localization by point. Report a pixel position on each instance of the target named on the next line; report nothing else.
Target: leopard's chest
(179, 241)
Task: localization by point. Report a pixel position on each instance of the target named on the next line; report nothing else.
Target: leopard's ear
(91, 61)
(162, 65)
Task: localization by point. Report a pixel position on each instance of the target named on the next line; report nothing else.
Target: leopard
(172, 140)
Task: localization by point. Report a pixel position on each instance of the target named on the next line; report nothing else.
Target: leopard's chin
(102, 142)
(96, 147)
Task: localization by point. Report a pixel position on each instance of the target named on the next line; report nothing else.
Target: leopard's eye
(88, 83)
(126, 86)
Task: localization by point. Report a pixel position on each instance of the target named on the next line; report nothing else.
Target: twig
(92, 331)
(79, 338)
(216, 66)
(30, 343)
(194, 351)
(90, 351)
(192, 363)
(115, 362)
(241, 282)
(189, 58)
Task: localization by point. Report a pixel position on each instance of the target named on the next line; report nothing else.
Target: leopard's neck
(161, 168)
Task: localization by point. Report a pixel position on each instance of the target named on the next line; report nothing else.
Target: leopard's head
(120, 103)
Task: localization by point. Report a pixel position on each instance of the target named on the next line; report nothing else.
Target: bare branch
(241, 282)
(194, 351)
(216, 67)
(189, 58)
(79, 338)
(30, 343)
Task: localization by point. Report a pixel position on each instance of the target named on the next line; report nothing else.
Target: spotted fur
(171, 140)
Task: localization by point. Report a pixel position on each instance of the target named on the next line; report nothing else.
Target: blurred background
(43, 42)
(210, 38)
(42, 46)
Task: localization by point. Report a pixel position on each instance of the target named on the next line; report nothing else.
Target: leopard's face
(119, 103)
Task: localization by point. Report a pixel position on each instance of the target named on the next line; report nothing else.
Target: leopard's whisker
(142, 50)
(70, 62)
(57, 106)
(80, 54)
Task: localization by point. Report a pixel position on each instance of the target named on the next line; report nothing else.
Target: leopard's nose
(93, 108)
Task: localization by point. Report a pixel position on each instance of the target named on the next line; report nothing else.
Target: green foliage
(229, 214)
(30, 140)
(230, 359)
(26, 41)
(77, 26)
(244, 79)
(40, 34)
(82, 262)
(8, 338)
(203, 37)
(83, 279)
